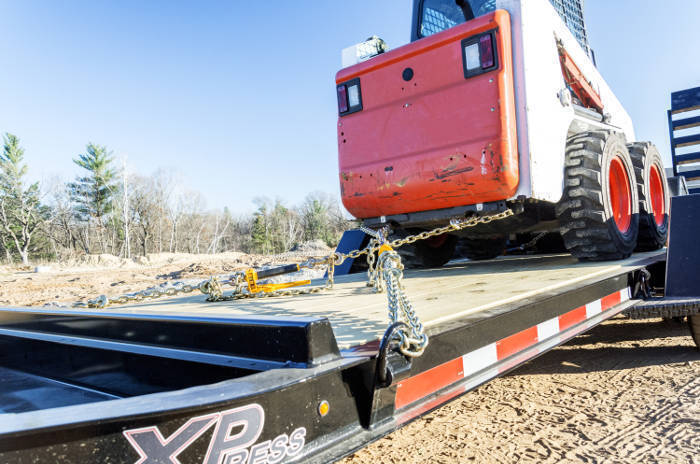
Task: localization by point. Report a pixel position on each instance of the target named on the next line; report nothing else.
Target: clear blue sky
(239, 97)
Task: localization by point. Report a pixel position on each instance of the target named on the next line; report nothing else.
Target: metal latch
(392, 366)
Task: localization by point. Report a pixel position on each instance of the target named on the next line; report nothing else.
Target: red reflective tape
(420, 386)
(430, 381)
(516, 342)
(609, 301)
(572, 318)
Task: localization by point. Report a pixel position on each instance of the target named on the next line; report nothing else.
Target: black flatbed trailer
(284, 379)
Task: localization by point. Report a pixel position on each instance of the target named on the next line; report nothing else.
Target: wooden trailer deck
(459, 290)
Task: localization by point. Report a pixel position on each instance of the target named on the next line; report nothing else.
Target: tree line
(107, 210)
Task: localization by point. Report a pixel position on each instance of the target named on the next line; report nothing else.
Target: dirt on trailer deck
(627, 391)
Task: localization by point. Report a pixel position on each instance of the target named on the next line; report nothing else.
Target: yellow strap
(267, 288)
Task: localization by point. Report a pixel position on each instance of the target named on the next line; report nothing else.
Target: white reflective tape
(625, 294)
(547, 329)
(593, 309)
(479, 359)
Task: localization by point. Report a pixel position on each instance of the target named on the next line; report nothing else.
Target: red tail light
(486, 51)
(342, 99)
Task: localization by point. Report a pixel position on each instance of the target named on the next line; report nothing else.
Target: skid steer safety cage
(571, 12)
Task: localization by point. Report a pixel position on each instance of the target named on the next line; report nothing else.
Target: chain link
(371, 264)
(453, 226)
(412, 339)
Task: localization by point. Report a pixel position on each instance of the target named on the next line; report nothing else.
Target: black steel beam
(299, 341)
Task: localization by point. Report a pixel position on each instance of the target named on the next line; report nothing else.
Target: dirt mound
(200, 270)
(313, 247)
(104, 259)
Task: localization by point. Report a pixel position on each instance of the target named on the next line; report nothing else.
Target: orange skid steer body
(430, 125)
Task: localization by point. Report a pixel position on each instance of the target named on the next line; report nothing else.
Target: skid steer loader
(495, 105)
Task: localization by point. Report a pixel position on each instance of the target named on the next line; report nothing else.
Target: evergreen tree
(92, 195)
(20, 211)
(260, 231)
(316, 219)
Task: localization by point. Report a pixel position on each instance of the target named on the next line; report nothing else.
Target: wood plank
(360, 315)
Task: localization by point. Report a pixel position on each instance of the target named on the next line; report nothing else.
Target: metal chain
(531, 243)
(211, 287)
(214, 290)
(371, 264)
(388, 274)
(453, 226)
(412, 339)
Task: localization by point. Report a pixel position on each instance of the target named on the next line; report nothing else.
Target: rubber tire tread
(480, 249)
(589, 233)
(651, 236)
(420, 255)
(553, 242)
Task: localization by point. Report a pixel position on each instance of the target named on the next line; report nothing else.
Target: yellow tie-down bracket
(385, 247)
(252, 276)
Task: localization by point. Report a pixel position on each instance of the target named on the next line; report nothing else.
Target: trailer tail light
(479, 54)
(349, 97)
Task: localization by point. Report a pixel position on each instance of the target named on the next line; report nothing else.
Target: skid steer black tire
(433, 252)
(694, 324)
(587, 221)
(652, 234)
(550, 243)
(480, 249)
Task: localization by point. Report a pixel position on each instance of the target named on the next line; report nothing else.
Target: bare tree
(144, 210)
(21, 213)
(125, 210)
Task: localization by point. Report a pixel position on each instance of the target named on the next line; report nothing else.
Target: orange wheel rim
(657, 195)
(620, 195)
